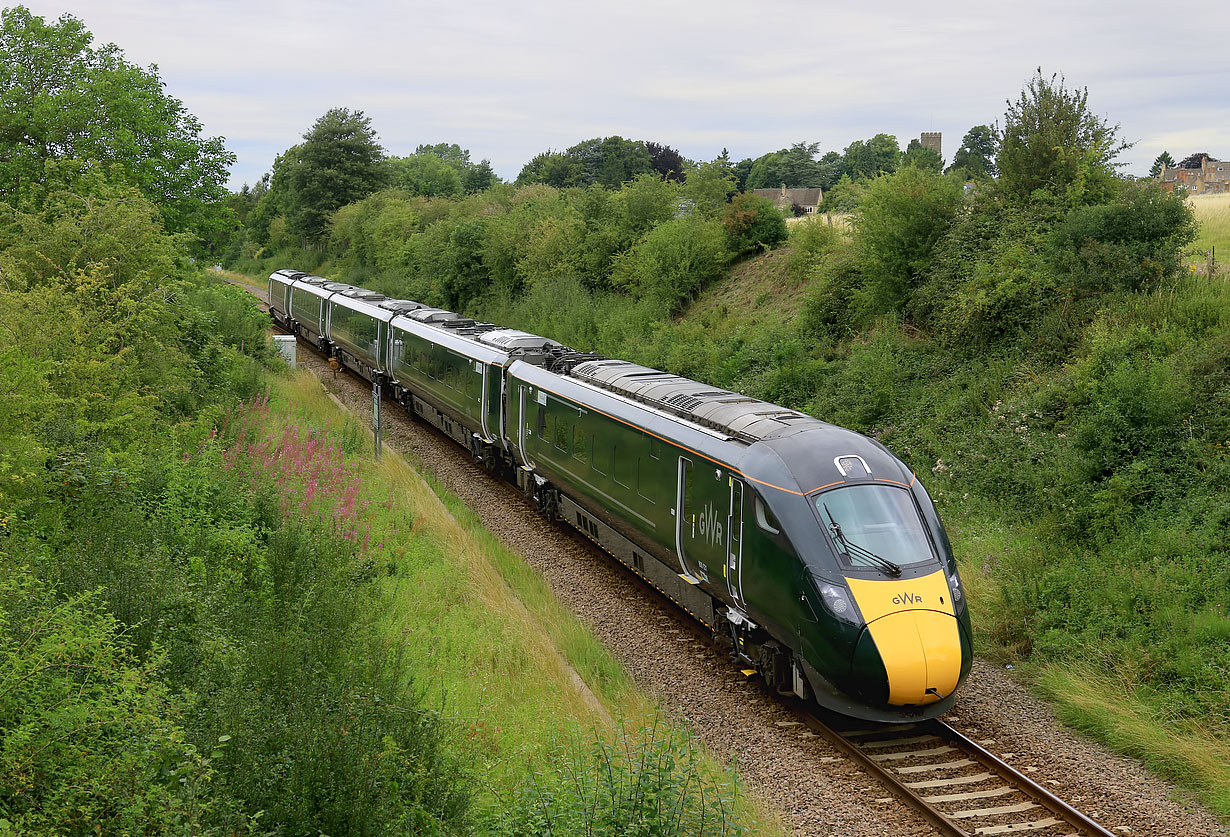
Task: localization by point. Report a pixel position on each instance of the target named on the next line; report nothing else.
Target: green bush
(639, 785)
(752, 223)
(90, 739)
(1132, 244)
(674, 261)
(899, 222)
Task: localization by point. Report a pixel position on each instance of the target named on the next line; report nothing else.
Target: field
(1213, 213)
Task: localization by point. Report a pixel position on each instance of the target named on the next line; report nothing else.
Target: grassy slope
(493, 647)
(759, 291)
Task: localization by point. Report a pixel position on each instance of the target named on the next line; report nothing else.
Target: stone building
(1212, 178)
(783, 198)
(932, 140)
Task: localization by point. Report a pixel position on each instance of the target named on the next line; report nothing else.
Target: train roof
(738, 416)
(511, 338)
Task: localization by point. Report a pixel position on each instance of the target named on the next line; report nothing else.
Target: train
(808, 549)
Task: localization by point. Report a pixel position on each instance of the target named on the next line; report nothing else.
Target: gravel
(811, 786)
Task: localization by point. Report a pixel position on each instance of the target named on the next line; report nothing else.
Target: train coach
(810, 549)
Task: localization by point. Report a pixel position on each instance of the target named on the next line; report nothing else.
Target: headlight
(958, 596)
(837, 602)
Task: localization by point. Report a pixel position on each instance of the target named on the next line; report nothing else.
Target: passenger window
(765, 519)
(561, 434)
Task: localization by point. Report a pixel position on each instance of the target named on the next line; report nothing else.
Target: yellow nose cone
(921, 650)
(915, 630)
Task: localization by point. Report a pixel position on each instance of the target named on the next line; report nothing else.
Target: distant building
(1212, 178)
(933, 140)
(783, 198)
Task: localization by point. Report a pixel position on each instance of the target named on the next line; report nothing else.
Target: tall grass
(1110, 709)
(537, 700)
(1213, 214)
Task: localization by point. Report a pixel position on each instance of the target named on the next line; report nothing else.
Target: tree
(899, 221)
(441, 169)
(667, 162)
(878, 155)
(67, 108)
(922, 157)
(709, 186)
(976, 156)
(796, 167)
(425, 175)
(1193, 161)
(1163, 160)
(1052, 145)
(741, 171)
(606, 161)
(832, 167)
(554, 168)
(752, 222)
(611, 161)
(339, 162)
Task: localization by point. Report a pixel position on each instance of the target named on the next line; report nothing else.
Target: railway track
(959, 786)
(961, 790)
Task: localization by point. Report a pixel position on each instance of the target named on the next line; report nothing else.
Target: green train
(810, 549)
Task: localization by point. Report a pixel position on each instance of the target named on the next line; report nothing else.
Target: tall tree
(605, 161)
(795, 167)
(872, 158)
(742, 170)
(1051, 143)
(554, 168)
(1193, 161)
(338, 162)
(976, 156)
(667, 162)
(611, 161)
(62, 99)
(832, 167)
(922, 157)
(1163, 159)
(439, 170)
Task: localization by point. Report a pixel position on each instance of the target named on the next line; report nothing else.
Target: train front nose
(921, 654)
(913, 631)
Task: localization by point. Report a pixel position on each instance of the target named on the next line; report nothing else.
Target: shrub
(89, 739)
(753, 223)
(642, 785)
(675, 260)
(897, 226)
(1134, 243)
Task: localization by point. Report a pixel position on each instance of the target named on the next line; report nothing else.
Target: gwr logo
(907, 598)
(710, 525)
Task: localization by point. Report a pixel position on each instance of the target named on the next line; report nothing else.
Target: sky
(508, 80)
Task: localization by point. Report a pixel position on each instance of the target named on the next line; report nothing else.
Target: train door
(702, 521)
(734, 543)
(481, 369)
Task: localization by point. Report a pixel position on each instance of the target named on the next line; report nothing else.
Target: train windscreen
(875, 526)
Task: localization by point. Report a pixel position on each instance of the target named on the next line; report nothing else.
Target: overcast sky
(508, 80)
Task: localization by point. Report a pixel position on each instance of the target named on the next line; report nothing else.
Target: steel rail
(943, 823)
(1028, 786)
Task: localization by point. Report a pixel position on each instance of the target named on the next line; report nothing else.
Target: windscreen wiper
(855, 551)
